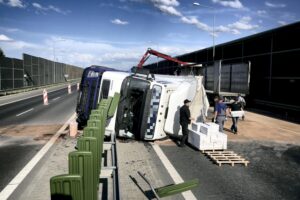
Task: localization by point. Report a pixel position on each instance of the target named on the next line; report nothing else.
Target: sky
(116, 33)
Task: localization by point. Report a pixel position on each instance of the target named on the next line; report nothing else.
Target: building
(275, 72)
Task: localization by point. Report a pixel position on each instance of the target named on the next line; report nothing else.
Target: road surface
(26, 125)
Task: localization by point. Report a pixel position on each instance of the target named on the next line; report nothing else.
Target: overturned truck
(149, 104)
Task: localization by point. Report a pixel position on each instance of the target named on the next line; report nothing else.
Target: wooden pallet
(225, 157)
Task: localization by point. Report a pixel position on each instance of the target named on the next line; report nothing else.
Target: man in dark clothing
(185, 120)
(235, 106)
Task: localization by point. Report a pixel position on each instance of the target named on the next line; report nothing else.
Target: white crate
(217, 141)
(213, 126)
(207, 128)
(237, 113)
(197, 139)
(196, 126)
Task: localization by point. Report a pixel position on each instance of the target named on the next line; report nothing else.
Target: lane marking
(22, 113)
(172, 171)
(17, 180)
(56, 98)
(32, 96)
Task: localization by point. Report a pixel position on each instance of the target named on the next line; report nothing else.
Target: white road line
(10, 188)
(56, 98)
(32, 96)
(24, 112)
(172, 171)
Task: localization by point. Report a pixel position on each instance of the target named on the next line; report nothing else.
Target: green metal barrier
(170, 190)
(102, 103)
(95, 123)
(91, 144)
(81, 162)
(95, 132)
(85, 164)
(113, 105)
(66, 187)
(95, 112)
(103, 113)
(176, 188)
(95, 117)
(109, 100)
(98, 123)
(105, 103)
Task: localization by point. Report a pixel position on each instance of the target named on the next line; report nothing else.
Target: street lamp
(198, 4)
(54, 57)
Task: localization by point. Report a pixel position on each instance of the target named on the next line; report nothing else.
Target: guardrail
(85, 164)
(30, 88)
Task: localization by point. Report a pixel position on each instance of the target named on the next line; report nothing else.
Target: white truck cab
(149, 104)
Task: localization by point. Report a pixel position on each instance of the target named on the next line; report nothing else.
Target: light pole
(54, 57)
(213, 34)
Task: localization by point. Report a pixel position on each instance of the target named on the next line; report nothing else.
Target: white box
(237, 113)
(195, 126)
(219, 140)
(214, 126)
(201, 141)
(197, 139)
(206, 128)
(209, 128)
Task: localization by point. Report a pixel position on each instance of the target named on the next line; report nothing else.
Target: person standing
(235, 106)
(185, 120)
(242, 102)
(220, 114)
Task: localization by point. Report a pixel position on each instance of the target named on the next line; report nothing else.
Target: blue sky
(116, 33)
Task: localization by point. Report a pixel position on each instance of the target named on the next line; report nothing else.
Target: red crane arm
(158, 54)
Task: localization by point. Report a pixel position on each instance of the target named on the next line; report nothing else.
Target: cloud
(85, 52)
(243, 24)
(13, 3)
(9, 30)
(229, 3)
(38, 6)
(4, 38)
(281, 22)
(196, 22)
(168, 10)
(169, 7)
(166, 2)
(119, 22)
(273, 5)
(42, 9)
(261, 12)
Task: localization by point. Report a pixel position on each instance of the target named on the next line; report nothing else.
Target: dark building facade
(275, 72)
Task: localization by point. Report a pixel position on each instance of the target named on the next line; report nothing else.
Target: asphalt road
(16, 151)
(273, 172)
(32, 110)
